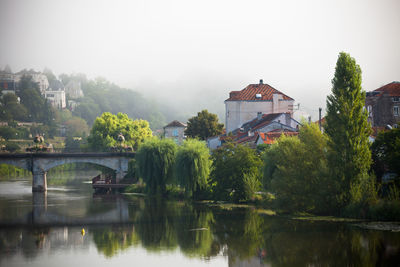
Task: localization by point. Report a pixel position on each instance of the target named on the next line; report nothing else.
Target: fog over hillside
(190, 54)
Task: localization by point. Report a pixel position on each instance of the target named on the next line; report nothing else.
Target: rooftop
(256, 123)
(256, 92)
(393, 89)
(56, 85)
(270, 137)
(175, 123)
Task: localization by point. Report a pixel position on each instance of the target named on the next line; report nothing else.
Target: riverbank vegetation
(322, 173)
(332, 172)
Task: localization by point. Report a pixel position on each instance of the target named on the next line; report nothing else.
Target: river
(129, 230)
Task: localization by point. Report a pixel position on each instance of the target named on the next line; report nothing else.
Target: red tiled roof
(393, 89)
(249, 93)
(270, 137)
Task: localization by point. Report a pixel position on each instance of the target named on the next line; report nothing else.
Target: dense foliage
(155, 163)
(193, 166)
(348, 131)
(203, 125)
(295, 170)
(31, 107)
(235, 173)
(386, 152)
(106, 128)
(102, 96)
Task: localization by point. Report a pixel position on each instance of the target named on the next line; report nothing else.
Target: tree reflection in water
(246, 236)
(199, 231)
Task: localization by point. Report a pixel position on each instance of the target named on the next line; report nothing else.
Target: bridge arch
(40, 163)
(105, 163)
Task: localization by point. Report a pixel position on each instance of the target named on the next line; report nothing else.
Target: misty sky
(192, 53)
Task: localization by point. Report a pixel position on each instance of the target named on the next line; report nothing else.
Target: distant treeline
(103, 96)
(100, 95)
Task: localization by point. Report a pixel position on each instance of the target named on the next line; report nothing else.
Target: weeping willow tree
(155, 160)
(192, 166)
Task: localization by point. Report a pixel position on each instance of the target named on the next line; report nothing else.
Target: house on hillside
(56, 94)
(7, 83)
(383, 105)
(176, 131)
(37, 77)
(73, 89)
(255, 99)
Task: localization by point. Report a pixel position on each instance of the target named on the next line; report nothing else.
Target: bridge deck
(66, 155)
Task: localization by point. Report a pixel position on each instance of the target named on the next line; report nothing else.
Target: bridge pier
(39, 183)
(39, 201)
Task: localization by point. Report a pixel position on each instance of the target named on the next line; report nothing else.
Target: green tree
(348, 131)
(11, 109)
(38, 108)
(77, 127)
(386, 152)
(192, 166)
(295, 170)
(204, 125)
(63, 115)
(234, 169)
(106, 128)
(155, 161)
(7, 132)
(88, 110)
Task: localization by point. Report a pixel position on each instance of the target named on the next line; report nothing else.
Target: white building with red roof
(245, 105)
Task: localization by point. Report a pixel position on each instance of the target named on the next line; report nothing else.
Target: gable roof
(249, 93)
(393, 89)
(256, 123)
(56, 85)
(175, 123)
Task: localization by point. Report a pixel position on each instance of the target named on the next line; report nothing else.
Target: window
(175, 132)
(369, 109)
(396, 99)
(396, 110)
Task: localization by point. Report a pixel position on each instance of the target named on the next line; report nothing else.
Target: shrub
(235, 172)
(295, 171)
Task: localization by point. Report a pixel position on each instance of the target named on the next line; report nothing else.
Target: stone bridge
(40, 163)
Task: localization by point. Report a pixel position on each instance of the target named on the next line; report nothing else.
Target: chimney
(261, 81)
(319, 121)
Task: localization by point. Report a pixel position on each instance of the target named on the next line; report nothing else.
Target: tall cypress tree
(348, 131)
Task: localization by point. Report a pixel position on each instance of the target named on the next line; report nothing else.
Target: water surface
(127, 230)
